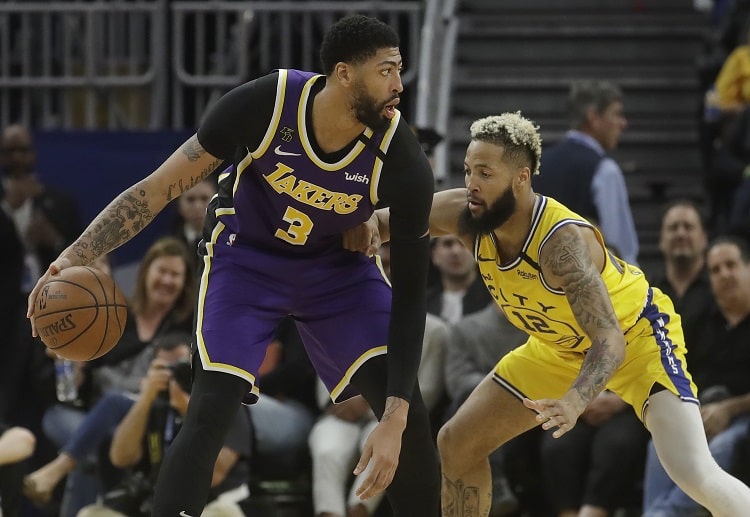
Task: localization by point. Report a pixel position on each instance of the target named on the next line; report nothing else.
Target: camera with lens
(182, 373)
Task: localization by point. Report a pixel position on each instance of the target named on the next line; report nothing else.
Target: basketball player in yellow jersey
(593, 323)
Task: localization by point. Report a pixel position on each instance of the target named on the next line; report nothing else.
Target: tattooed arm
(134, 209)
(572, 260)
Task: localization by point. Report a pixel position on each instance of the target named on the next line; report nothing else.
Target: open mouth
(390, 108)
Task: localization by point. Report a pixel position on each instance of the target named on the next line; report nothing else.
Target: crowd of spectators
(77, 457)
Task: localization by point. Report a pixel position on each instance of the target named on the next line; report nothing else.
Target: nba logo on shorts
(230, 241)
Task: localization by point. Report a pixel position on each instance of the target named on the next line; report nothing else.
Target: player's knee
(450, 446)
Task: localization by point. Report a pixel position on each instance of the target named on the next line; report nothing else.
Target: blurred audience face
(729, 275)
(607, 126)
(165, 280)
(683, 239)
(17, 157)
(452, 258)
(192, 204)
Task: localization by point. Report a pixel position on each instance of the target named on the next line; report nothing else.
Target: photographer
(141, 439)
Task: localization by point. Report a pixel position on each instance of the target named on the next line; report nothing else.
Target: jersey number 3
(300, 226)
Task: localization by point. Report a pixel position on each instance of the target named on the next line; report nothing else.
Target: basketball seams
(106, 317)
(70, 318)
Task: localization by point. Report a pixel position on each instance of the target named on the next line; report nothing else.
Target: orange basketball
(80, 313)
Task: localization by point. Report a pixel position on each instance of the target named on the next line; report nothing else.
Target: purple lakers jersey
(283, 197)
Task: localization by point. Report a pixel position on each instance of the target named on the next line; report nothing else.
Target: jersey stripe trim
(343, 383)
(277, 109)
(302, 124)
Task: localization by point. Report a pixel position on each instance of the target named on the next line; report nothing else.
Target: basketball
(80, 313)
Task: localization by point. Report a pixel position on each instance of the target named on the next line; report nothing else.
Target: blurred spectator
(162, 303)
(11, 307)
(733, 81)
(460, 290)
(728, 132)
(596, 467)
(720, 361)
(475, 345)
(191, 214)
(578, 172)
(285, 412)
(146, 430)
(16, 445)
(47, 219)
(337, 438)
(683, 243)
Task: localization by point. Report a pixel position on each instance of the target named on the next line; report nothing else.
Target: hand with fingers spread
(561, 413)
(53, 269)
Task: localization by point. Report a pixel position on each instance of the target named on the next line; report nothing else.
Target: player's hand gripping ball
(80, 313)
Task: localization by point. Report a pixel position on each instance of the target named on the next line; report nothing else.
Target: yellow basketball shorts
(654, 354)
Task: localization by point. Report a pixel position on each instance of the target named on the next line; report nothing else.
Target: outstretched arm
(572, 260)
(134, 209)
(446, 208)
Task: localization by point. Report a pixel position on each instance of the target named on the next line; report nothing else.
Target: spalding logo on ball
(80, 313)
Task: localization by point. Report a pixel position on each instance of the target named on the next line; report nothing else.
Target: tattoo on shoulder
(567, 257)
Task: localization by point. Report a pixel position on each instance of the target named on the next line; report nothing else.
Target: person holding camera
(142, 437)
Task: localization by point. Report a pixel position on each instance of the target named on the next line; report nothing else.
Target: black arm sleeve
(406, 186)
(240, 118)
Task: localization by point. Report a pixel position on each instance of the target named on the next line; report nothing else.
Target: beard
(369, 111)
(495, 215)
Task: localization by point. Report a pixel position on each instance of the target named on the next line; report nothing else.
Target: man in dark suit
(46, 219)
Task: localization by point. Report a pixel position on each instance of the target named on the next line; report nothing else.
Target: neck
(334, 127)
(734, 311)
(512, 233)
(681, 274)
(455, 283)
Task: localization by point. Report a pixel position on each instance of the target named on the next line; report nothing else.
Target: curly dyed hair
(518, 136)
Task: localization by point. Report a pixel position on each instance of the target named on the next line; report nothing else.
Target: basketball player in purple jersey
(311, 157)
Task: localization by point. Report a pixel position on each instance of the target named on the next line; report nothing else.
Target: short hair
(518, 136)
(687, 203)
(586, 94)
(734, 240)
(354, 39)
(172, 340)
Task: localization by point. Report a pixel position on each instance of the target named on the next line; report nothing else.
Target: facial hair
(368, 110)
(495, 215)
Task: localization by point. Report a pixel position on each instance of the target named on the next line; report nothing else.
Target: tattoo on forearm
(391, 408)
(601, 362)
(177, 189)
(568, 258)
(193, 149)
(127, 215)
(459, 500)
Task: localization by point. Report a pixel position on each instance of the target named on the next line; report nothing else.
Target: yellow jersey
(534, 306)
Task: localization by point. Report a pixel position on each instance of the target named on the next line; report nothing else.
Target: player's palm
(380, 454)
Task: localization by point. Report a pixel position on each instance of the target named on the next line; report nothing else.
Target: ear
(523, 177)
(343, 73)
(592, 118)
